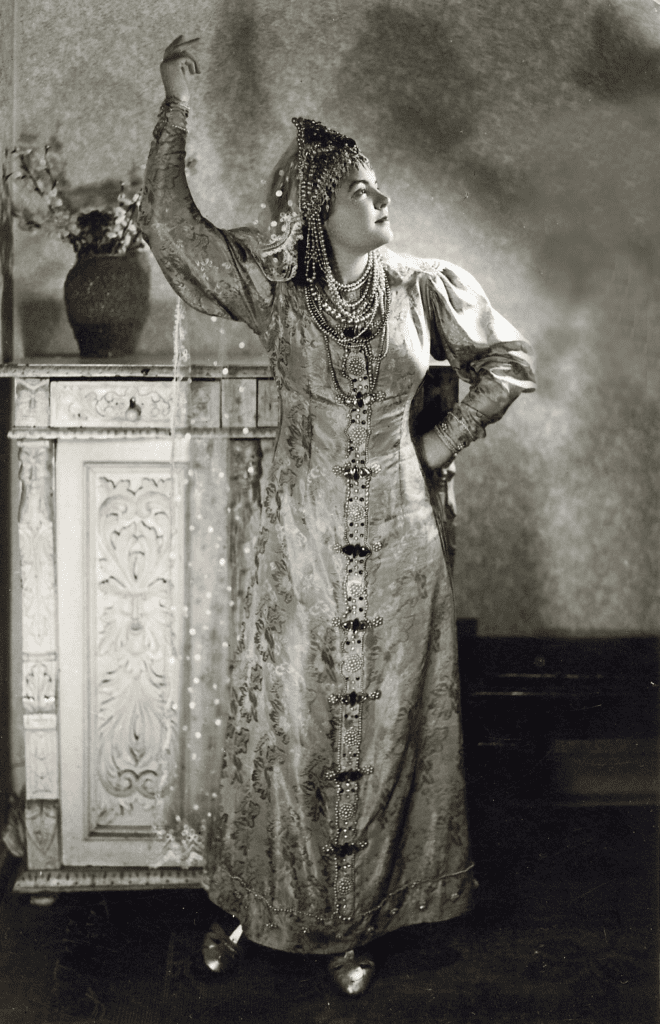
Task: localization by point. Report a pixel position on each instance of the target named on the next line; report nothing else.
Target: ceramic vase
(107, 302)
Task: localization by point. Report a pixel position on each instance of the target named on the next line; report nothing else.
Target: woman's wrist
(449, 439)
(173, 100)
(435, 450)
(173, 115)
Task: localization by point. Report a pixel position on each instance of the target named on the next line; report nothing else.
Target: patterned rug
(565, 931)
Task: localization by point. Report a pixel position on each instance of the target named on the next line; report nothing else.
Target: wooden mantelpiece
(61, 367)
(83, 429)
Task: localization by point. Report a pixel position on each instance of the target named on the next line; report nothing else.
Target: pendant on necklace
(356, 363)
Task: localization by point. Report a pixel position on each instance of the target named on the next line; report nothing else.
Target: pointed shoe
(352, 973)
(219, 952)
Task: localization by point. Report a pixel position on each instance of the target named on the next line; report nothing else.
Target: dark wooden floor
(564, 931)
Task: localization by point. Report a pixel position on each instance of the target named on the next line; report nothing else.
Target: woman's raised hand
(177, 66)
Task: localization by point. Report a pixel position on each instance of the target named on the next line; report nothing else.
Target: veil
(280, 224)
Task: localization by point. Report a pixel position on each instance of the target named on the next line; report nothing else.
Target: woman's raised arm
(212, 270)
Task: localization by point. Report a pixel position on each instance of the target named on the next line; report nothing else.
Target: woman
(341, 810)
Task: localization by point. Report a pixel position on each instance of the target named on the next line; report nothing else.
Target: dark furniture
(564, 720)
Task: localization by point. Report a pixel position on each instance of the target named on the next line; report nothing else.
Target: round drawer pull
(134, 411)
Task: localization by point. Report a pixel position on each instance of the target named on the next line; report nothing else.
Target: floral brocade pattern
(340, 793)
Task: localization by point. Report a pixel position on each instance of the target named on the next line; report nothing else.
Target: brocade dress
(341, 806)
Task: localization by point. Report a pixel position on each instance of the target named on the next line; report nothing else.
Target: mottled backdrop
(518, 138)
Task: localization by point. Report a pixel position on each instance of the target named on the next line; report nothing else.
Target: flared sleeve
(483, 348)
(212, 270)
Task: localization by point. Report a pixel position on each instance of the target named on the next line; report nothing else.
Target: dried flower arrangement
(95, 220)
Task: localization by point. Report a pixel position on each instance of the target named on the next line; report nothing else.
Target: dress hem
(284, 929)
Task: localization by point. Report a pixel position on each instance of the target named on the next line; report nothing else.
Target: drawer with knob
(127, 403)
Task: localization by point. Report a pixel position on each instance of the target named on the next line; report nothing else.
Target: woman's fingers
(184, 58)
(178, 44)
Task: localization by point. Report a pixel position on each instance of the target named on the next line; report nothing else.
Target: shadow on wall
(245, 116)
(400, 58)
(41, 319)
(620, 64)
(416, 89)
(423, 96)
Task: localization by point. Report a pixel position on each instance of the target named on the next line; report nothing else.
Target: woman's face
(358, 220)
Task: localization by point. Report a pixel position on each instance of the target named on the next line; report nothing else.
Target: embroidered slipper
(219, 950)
(352, 973)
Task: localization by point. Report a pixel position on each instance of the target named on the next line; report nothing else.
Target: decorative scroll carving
(40, 685)
(131, 576)
(183, 850)
(35, 535)
(41, 769)
(31, 403)
(41, 828)
(120, 404)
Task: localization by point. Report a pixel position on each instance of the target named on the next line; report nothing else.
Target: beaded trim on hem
(331, 921)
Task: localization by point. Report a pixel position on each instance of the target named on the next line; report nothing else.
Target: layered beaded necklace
(353, 323)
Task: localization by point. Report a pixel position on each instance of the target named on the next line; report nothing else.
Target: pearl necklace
(347, 320)
(356, 342)
(353, 286)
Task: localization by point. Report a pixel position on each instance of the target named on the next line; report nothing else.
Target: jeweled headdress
(300, 194)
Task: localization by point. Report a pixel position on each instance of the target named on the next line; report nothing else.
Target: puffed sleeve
(482, 347)
(212, 270)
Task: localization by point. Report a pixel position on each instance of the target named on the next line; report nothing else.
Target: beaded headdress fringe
(324, 157)
(300, 198)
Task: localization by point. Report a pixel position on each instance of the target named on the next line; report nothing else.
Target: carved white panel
(41, 828)
(31, 402)
(40, 684)
(41, 750)
(129, 574)
(35, 537)
(134, 403)
(120, 574)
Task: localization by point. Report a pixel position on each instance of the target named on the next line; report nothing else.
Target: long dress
(341, 807)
